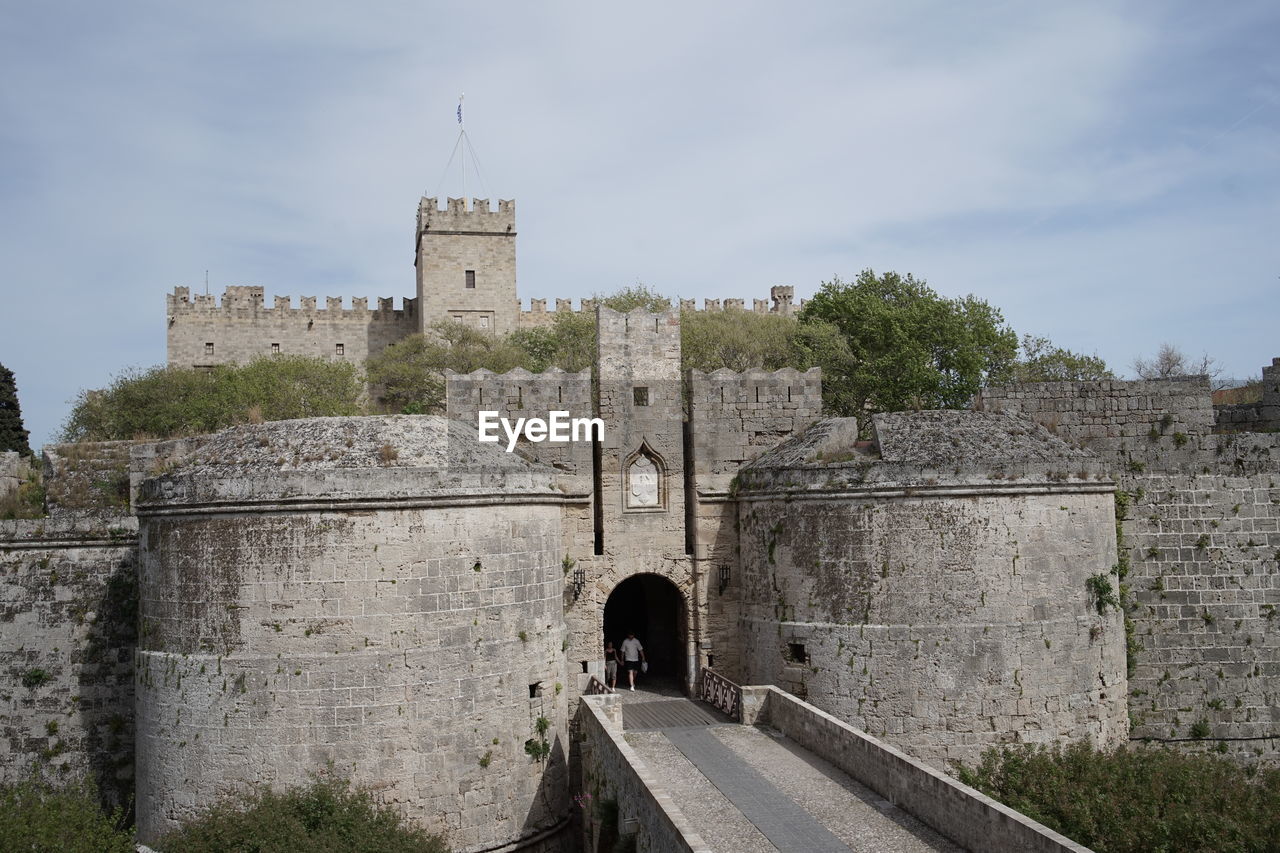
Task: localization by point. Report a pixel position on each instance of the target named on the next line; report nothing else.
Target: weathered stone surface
(400, 619)
(67, 630)
(945, 613)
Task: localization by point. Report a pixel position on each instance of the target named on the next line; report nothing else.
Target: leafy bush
(28, 500)
(38, 815)
(170, 401)
(1139, 799)
(326, 817)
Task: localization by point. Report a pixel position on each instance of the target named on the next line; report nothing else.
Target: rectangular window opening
(584, 666)
(640, 395)
(275, 349)
(535, 690)
(471, 279)
(711, 661)
(208, 348)
(339, 349)
(795, 652)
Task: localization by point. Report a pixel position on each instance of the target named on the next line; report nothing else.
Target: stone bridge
(779, 774)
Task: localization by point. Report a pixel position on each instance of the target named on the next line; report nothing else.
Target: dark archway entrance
(652, 607)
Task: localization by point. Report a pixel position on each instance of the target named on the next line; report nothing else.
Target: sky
(1106, 174)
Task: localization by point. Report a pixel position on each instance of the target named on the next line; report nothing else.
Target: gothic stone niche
(643, 489)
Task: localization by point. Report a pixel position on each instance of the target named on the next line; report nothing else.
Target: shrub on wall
(328, 816)
(38, 815)
(163, 402)
(1137, 799)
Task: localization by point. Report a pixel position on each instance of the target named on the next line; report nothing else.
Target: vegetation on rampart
(884, 343)
(1136, 799)
(163, 402)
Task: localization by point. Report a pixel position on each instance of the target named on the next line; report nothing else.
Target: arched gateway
(653, 608)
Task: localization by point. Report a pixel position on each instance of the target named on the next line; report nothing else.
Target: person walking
(610, 665)
(632, 655)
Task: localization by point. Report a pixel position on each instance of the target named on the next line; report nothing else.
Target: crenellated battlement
(781, 302)
(455, 217)
(249, 303)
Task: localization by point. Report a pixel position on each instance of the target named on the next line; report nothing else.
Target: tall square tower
(466, 262)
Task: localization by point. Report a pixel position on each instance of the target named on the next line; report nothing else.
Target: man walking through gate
(632, 655)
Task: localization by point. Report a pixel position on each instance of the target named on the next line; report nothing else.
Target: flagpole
(462, 135)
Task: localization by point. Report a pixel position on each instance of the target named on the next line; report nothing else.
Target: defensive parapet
(734, 417)
(521, 394)
(780, 302)
(457, 217)
(203, 333)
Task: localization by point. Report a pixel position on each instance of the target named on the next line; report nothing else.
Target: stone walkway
(750, 790)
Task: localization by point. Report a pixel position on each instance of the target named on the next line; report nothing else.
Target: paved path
(777, 816)
(750, 790)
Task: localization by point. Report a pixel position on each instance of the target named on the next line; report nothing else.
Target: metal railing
(720, 693)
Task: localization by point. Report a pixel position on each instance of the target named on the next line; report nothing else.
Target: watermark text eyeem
(557, 428)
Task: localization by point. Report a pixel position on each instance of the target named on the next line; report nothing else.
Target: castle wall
(1206, 583)
(242, 328)
(455, 240)
(67, 630)
(944, 624)
(733, 418)
(403, 624)
(1262, 416)
(1198, 524)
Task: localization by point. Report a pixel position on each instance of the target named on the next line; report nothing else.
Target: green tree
(408, 376)
(910, 347)
(569, 343)
(13, 436)
(162, 402)
(1041, 361)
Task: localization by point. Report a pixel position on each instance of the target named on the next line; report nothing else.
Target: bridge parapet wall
(610, 765)
(963, 814)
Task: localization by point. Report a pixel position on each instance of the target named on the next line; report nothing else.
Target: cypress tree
(12, 434)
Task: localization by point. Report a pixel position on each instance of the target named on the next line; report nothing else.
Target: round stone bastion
(942, 585)
(377, 598)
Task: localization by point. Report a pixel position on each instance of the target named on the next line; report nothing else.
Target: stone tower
(466, 262)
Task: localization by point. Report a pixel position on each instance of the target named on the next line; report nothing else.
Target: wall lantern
(724, 577)
(579, 581)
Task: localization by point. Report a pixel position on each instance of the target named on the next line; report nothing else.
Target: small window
(535, 690)
(275, 349)
(208, 348)
(484, 322)
(584, 666)
(457, 318)
(795, 652)
(339, 349)
(471, 279)
(711, 661)
(640, 396)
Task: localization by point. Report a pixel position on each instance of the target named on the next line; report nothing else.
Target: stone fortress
(465, 256)
(387, 597)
